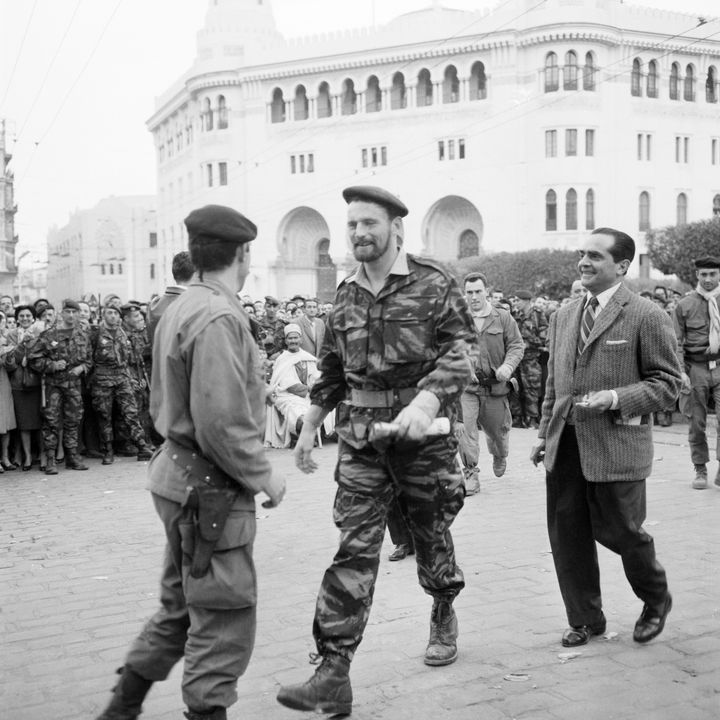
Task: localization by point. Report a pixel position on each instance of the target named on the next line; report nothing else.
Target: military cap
(218, 222)
(129, 307)
(707, 262)
(523, 295)
(270, 300)
(377, 195)
(72, 304)
(292, 328)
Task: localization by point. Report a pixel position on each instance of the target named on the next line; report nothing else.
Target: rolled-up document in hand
(382, 430)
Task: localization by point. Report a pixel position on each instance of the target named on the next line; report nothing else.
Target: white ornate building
(522, 127)
(8, 208)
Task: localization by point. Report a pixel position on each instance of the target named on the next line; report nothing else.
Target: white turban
(292, 327)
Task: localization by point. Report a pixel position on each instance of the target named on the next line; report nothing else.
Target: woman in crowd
(7, 412)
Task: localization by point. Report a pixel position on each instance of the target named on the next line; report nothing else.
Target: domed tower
(242, 31)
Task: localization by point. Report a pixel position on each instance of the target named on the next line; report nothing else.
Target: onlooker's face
(709, 278)
(250, 310)
(259, 308)
(296, 313)
(25, 319)
(327, 308)
(292, 341)
(134, 319)
(10, 322)
(597, 267)
(6, 305)
(84, 311)
(577, 290)
(49, 317)
(270, 311)
(70, 317)
(370, 230)
(311, 308)
(111, 316)
(476, 294)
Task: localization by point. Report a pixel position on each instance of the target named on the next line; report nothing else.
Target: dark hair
(182, 267)
(40, 301)
(44, 309)
(12, 300)
(623, 247)
(20, 308)
(208, 255)
(473, 277)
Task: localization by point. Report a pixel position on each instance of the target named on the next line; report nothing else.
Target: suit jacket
(307, 341)
(632, 350)
(158, 305)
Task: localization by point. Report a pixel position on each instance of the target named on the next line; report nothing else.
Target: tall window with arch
(373, 95)
(222, 113)
(711, 85)
(208, 115)
(689, 84)
(468, 244)
(398, 95)
(301, 109)
(652, 79)
(451, 85)
(644, 211)
(589, 72)
(570, 71)
(349, 98)
(277, 106)
(681, 208)
(552, 73)
(636, 78)
(571, 212)
(550, 210)
(716, 206)
(675, 81)
(324, 101)
(478, 82)
(590, 209)
(424, 88)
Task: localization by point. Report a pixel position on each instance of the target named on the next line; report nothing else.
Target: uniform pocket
(230, 582)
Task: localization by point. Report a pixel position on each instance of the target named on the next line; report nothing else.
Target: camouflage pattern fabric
(140, 371)
(274, 340)
(429, 483)
(530, 387)
(63, 408)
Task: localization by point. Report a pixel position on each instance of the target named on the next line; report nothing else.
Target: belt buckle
(712, 364)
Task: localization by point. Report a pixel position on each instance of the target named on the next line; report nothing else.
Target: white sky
(78, 80)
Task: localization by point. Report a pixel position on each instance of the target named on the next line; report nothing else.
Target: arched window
(570, 71)
(689, 84)
(550, 210)
(373, 95)
(451, 85)
(468, 245)
(277, 107)
(349, 98)
(478, 82)
(716, 206)
(675, 81)
(636, 78)
(424, 88)
(644, 211)
(589, 72)
(324, 101)
(552, 73)
(711, 85)
(590, 210)
(302, 105)
(208, 115)
(222, 113)
(682, 209)
(652, 79)
(571, 210)
(398, 98)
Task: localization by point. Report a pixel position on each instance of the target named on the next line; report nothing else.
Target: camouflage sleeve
(87, 360)
(38, 358)
(330, 388)
(455, 338)
(549, 398)
(514, 344)
(678, 320)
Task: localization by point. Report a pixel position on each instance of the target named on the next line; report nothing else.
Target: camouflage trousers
(123, 431)
(119, 393)
(63, 408)
(530, 373)
(428, 481)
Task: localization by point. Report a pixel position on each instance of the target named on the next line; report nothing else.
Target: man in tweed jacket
(607, 375)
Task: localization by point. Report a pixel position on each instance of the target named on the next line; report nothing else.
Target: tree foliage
(673, 249)
(540, 272)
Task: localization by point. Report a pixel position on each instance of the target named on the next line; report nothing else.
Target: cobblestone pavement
(79, 570)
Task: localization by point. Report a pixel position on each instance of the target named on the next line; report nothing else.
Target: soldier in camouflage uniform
(533, 327)
(274, 327)
(62, 354)
(111, 384)
(396, 349)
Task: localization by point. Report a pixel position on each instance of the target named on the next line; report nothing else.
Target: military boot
(442, 646)
(145, 452)
(73, 462)
(327, 691)
(128, 696)
(217, 713)
(108, 458)
(50, 466)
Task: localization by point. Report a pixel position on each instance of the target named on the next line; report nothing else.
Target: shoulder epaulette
(432, 263)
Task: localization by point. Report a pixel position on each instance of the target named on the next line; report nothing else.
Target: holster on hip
(210, 508)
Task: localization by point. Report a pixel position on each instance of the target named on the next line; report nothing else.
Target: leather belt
(382, 398)
(198, 467)
(701, 358)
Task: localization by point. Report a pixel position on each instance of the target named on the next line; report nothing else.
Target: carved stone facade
(8, 208)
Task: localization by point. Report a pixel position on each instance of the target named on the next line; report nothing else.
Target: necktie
(586, 324)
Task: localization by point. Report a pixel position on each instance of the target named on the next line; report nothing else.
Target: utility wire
(19, 53)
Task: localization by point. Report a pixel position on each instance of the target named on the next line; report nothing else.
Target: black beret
(707, 262)
(270, 300)
(72, 304)
(218, 222)
(370, 193)
(523, 295)
(129, 307)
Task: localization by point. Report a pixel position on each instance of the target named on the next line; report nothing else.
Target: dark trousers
(581, 513)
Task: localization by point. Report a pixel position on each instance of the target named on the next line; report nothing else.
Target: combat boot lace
(327, 691)
(50, 465)
(73, 462)
(108, 457)
(217, 713)
(442, 646)
(128, 696)
(701, 481)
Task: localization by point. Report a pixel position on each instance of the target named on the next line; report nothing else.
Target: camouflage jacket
(415, 333)
(55, 344)
(111, 354)
(140, 357)
(533, 326)
(274, 340)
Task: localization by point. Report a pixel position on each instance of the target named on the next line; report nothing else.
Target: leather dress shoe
(401, 552)
(581, 634)
(651, 621)
(499, 466)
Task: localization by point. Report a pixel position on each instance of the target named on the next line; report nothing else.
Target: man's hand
(686, 387)
(504, 373)
(59, 365)
(459, 429)
(537, 454)
(77, 370)
(303, 449)
(412, 423)
(275, 491)
(597, 402)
